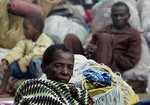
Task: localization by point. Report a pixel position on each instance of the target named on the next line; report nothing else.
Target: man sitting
(117, 45)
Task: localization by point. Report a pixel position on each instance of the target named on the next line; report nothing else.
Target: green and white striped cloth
(47, 92)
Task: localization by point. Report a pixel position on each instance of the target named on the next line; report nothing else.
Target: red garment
(88, 16)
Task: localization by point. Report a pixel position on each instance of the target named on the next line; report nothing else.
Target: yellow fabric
(11, 30)
(48, 5)
(129, 95)
(24, 51)
(97, 91)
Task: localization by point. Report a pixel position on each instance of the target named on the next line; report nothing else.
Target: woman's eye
(58, 66)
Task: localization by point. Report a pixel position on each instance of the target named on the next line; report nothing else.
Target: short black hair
(118, 4)
(35, 20)
(48, 54)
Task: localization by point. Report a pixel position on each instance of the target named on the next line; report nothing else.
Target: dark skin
(61, 67)
(120, 17)
(31, 33)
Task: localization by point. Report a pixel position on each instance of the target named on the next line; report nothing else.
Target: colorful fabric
(119, 93)
(47, 92)
(96, 75)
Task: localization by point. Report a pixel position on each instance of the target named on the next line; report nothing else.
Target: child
(24, 59)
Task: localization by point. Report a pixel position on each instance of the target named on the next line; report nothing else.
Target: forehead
(27, 23)
(60, 55)
(119, 9)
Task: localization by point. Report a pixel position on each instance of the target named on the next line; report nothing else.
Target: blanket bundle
(47, 92)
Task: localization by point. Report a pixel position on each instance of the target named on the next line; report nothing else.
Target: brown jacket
(126, 46)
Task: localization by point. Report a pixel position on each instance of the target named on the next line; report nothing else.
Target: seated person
(117, 45)
(24, 59)
(57, 64)
(66, 18)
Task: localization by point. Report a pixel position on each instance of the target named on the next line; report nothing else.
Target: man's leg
(104, 52)
(74, 43)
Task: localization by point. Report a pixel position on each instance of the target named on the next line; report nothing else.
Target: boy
(24, 59)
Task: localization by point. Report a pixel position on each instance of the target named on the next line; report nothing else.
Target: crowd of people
(78, 61)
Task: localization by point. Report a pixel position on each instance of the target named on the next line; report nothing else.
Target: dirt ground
(6, 98)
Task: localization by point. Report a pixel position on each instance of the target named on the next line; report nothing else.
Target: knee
(104, 37)
(35, 61)
(13, 65)
(70, 37)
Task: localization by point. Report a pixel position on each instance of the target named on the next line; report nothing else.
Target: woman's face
(61, 67)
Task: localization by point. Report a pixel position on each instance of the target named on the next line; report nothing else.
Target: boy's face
(61, 67)
(120, 17)
(29, 30)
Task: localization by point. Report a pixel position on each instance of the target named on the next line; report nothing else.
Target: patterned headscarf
(47, 92)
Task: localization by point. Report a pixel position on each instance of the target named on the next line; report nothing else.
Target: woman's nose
(65, 70)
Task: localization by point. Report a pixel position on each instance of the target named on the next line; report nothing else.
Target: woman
(57, 64)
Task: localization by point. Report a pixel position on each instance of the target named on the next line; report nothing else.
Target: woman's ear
(43, 67)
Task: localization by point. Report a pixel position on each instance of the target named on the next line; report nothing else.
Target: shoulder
(44, 38)
(23, 41)
(134, 33)
(133, 30)
(43, 35)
